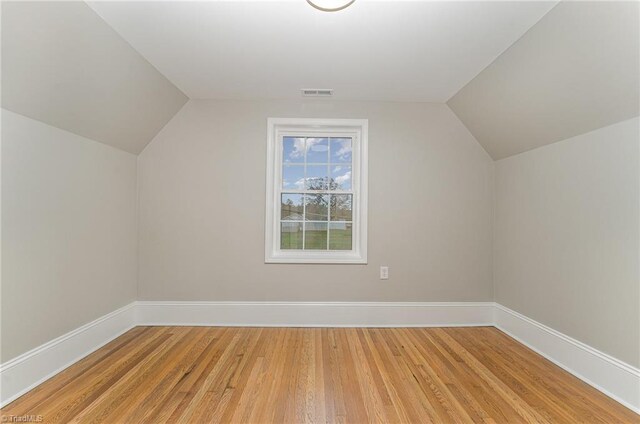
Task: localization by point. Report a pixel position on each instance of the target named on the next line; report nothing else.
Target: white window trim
(358, 129)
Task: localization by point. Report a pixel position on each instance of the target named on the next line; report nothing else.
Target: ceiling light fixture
(330, 5)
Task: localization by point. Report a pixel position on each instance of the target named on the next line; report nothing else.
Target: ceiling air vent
(317, 92)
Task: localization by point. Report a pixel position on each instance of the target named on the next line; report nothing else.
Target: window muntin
(316, 191)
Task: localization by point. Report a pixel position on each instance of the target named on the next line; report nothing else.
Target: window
(316, 191)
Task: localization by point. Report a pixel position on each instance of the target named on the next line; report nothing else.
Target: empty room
(320, 211)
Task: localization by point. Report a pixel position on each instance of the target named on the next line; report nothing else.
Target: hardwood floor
(300, 375)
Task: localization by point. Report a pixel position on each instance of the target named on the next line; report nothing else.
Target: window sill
(316, 259)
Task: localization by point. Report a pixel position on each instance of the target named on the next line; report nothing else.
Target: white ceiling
(393, 51)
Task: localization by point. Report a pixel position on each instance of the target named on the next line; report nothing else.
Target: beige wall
(567, 233)
(565, 237)
(202, 188)
(68, 232)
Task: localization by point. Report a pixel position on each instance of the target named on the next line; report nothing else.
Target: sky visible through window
(316, 199)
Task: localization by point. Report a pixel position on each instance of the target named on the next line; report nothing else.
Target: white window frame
(357, 129)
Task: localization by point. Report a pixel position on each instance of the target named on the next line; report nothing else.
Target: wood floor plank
(173, 396)
(214, 388)
(555, 384)
(116, 349)
(405, 399)
(516, 377)
(525, 411)
(432, 384)
(457, 376)
(469, 382)
(108, 405)
(188, 388)
(316, 375)
(78, 394)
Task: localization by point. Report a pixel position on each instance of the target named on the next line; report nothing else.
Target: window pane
(317, 207)
(341, 206)
(317, 177)
(315, 236)
(340, 177)
(293, 149)
(340, 236)
(293, 177)
(317, 150)
(341, 150)
(292, 207)
(291, 235)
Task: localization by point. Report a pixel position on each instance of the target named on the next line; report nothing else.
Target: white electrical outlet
(384, 272)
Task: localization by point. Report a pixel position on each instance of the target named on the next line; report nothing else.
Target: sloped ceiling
(576, 70)
(63, 65)
(573, 71)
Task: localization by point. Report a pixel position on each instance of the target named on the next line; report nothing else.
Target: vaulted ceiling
(64, 66)
(576, 70)
(519, 74)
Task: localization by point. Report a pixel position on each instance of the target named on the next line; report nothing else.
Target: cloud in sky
(295, 147)
(313, 144)
(341, 179)
(341, 149)
(315, 148)
(298, 149)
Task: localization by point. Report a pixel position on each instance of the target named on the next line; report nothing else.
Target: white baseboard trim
(317, 314)
(616, 379)
(32, 368)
